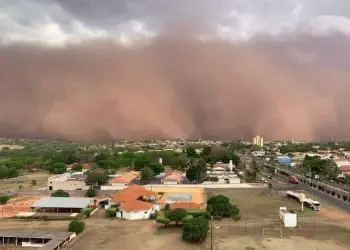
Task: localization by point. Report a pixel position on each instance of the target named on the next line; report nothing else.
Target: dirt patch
(248, 243)
(17, 205)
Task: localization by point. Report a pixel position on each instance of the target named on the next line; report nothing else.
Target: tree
(146, 176)
(4, 172)
(195, 174)
(176, 215)
(206, 151)
(235, 213)
(13, 172)
(96, 177)
(76, 226)
(4, 199)
(141, 162)
(60, 193)
(253, 172)
(57, 168)
(195, 229)
(77, 167)
(198, 171)
(190, 152)
(34, 182)
(220, 206)
(156, 168)
(91, 192)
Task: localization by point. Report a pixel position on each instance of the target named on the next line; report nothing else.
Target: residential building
(259, 141)
(345, 169)
(86, 167)
(172, 178)
(170, 195)
(135, 210)
(341, 162)
(67, 181)
(136, 203)
(126, 179)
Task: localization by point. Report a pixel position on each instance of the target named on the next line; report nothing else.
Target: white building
(67, 181)
(259, 141)
(135, 210)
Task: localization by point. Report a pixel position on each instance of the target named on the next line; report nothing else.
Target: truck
(293, 179)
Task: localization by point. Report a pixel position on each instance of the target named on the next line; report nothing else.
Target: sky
(148, 69)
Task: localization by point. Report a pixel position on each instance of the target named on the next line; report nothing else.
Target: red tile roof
(173, 176)
(345, 168)
(85, 165)
(135, 205)
(185, 205)
(131, 193)
(126, 178)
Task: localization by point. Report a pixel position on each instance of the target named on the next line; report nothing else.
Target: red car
(293, 179)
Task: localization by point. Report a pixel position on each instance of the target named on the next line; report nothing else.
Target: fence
(269, 227)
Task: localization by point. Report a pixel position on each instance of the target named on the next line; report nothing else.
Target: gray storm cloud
(91, 70)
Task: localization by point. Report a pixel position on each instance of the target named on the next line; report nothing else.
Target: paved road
(315, 192)
(332, 187)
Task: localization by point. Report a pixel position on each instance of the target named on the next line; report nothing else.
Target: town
(70, 195)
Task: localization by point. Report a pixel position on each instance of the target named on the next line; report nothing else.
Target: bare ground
(106, 234)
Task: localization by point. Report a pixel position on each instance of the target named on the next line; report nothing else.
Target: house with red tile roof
(345, 169)
(124, 179)
(86, 167)
(136, 203)
(172, 177)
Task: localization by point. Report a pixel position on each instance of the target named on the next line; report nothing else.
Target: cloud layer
(279, 69)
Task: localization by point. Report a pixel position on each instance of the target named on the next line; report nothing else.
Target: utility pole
(211, 234)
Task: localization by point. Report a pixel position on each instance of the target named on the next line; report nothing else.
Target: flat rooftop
(34, 234)
(56, 238)
(62, 202)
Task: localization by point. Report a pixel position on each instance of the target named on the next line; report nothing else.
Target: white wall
(168, 182)
(29, 244)
(135, 215)
(67, 185)
(120, 184)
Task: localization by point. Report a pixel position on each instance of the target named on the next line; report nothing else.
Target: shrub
(345, 197)
(187, 218)
(195, 229)
(333, 193)
(91, 192)
(197, 212)
(34, 182)
(111, 212)
(338, 196)
(60, 193)
(115, 206)
(319, 187)
(86, 211)
(76, 226)
(328, 191)
(163, 220)
(4, 199)
(177, 214)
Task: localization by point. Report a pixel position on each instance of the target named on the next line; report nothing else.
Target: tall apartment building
(258, 140)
